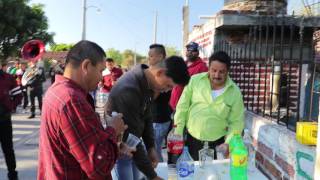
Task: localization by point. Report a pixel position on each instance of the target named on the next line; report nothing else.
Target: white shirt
(216, 93)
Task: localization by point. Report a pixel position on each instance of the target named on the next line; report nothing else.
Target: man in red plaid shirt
(73, 143)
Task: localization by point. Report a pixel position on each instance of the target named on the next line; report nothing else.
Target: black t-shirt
(161, 111)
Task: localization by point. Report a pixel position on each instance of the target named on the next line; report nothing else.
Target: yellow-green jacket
(207, 119)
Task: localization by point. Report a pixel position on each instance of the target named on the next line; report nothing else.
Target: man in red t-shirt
(110, 79)
(195, 65)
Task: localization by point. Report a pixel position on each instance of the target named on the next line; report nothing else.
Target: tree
(115, 55)
(20, 23)
(128, 58)
(61, 47)
(172, 51)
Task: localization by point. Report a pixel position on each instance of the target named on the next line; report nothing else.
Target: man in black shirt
(132, 96)
(160, 107)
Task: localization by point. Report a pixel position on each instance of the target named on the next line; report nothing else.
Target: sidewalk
(25, 137)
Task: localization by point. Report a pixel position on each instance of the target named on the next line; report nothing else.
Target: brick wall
(276, 150)
(255, 82)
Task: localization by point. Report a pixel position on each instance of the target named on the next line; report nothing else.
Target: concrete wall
(278, 154)
(263, 6)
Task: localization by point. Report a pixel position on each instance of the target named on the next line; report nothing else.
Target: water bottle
(239, 158)
(185, 166)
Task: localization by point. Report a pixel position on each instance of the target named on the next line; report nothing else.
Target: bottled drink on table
(239, 158)
(185, 166)
(206, 155)
(206, 171)
(174, 146)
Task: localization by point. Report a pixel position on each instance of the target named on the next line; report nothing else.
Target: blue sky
(125, 24)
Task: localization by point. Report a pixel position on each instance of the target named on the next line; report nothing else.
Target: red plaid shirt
(73, 143)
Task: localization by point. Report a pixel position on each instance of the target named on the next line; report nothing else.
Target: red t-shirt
(109, 79)
(196, 67)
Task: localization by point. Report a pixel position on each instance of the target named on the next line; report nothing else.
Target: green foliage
(61, 47)
(128, 58)
(20, 23)
(115, 55)
(172, 51)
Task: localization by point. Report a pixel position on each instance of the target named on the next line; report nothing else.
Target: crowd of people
(199, 99)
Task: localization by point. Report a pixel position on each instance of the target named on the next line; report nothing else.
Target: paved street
(25, 137)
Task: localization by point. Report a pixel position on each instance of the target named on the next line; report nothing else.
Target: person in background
(73, 144)
(160, 107)
(132, 96)
(4, 66)
(111, 78)
(56, 67)
(14, 69)
(10, 97)
(20, 73)
(195, 65)
(35, 87)
(211, 107)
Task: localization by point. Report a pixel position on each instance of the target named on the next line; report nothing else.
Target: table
(220, 166)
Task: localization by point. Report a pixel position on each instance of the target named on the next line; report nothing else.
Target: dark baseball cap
(192, 46)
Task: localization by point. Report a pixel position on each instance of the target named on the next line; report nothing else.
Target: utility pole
(185, 24)
(84, 16)
(135, 56)
(155, 27)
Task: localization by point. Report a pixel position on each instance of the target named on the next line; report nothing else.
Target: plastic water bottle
(239, 158)
(185, 166)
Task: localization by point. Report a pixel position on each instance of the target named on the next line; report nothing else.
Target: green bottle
(239, 158)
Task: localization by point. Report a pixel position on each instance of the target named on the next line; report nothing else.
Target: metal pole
(135, 55)
(84, 14)
(185, 26)
(155, 27)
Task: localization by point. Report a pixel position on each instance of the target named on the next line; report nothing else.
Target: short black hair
(85, 50)
(222, 57)
(3, 63)
(159, 48)
(177, 70)
(109, 60)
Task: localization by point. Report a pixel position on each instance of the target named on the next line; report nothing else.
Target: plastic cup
(132, 140)
(172, 172)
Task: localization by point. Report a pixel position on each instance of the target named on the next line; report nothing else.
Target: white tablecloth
(220, 166)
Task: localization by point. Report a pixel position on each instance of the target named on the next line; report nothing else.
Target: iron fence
(273, 64)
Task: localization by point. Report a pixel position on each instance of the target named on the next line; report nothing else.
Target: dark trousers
(7, 144)
(33, 95)
(25, 99)
(194, 145)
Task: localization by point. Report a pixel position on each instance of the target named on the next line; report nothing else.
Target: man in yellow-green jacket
(211, 107)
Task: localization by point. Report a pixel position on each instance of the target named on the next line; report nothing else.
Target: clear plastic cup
(132, 140)
(172, 172)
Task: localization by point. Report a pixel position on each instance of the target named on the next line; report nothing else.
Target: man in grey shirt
(132, 96)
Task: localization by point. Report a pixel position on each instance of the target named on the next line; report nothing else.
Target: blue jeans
(126, 169)
(160, 132)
